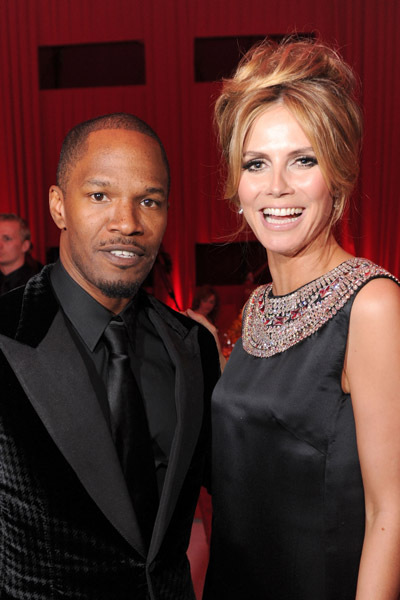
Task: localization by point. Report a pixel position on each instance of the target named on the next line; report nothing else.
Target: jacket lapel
(182, 346)
(43, 350)
(68, 407)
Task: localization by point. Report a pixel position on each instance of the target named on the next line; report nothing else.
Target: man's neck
(7, 269)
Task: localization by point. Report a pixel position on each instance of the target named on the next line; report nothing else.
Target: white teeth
(123, 253)
(279, 222)
(282, 212)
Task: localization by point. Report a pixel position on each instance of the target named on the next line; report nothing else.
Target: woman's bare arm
(372, 375)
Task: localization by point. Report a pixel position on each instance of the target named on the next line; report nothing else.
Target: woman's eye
(98, 196)
(306, 161)
(253, 165)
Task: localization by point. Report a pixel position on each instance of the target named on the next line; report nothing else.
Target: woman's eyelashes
(304, 161)
(253, 165)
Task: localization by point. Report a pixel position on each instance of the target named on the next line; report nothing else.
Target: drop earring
(335, 199)
(240, 211)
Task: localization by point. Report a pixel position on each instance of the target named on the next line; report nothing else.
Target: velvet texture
(68, 525)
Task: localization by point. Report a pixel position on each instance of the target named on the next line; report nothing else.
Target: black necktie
(130, 429)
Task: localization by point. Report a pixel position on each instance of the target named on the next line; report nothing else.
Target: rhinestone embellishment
(272, 324)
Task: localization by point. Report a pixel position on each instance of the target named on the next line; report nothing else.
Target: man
(81, 517)
(16, 265)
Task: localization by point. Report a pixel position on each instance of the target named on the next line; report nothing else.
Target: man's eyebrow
(156, 190)
(97, 182)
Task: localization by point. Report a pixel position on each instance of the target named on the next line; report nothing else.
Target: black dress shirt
(154, 372)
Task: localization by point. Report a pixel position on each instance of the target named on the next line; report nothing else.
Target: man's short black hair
(75, 142)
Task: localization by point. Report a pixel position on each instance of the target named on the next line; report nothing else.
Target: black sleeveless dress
(287, 489)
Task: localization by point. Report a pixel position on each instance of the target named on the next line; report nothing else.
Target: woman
(206, 303)
(205, 306)
(306, 480)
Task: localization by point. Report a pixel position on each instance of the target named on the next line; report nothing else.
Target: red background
(34, 122)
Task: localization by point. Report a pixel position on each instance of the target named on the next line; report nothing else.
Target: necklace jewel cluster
(272, 324)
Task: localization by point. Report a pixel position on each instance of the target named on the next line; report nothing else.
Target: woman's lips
(279, 216)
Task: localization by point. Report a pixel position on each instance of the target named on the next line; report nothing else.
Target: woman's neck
(291, 272)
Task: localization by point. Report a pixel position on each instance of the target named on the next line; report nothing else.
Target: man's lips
(124, 252)
(127, 250)
(123, 256)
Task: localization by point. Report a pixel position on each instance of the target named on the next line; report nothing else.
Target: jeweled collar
(272, 324)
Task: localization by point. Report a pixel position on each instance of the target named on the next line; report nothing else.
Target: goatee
(118, 289)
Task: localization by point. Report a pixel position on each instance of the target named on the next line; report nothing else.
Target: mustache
(121, 241)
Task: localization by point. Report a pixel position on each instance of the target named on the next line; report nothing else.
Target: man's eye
(98, 196)
(150, 203)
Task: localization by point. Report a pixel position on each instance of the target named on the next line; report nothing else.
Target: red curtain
(20, 144)
(34, 122)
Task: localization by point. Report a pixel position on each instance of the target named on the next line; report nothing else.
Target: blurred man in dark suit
(16, 264)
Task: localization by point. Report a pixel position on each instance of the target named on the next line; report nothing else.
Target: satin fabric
(287, 488)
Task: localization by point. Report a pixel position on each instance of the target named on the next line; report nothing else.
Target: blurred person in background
(16, 263)
(204, 310)
(206, 302)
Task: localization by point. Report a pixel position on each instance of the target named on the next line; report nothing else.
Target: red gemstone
(325, 291)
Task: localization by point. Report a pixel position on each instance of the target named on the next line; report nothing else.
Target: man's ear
(26, 246)
(56, 204)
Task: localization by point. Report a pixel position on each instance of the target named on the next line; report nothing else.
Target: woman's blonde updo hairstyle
(315, 84)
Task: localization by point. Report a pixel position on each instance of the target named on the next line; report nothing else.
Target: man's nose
(126, 218)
